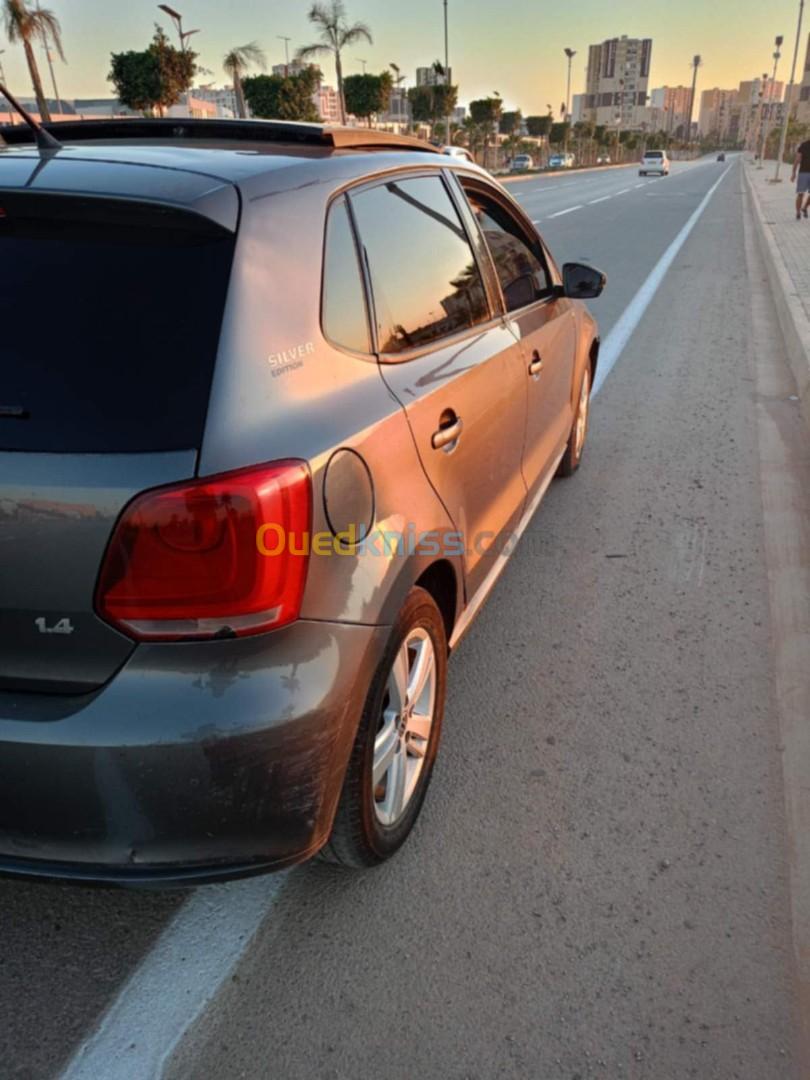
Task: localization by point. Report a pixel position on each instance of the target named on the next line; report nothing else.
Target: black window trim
(517, 212)
(495, 315)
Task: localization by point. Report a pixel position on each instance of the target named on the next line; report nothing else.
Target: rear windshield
(109, 325)
(654, 153)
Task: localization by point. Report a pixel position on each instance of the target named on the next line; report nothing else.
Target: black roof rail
(261, 131)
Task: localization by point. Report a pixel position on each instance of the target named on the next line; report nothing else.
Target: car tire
(640, 173)
(370, 825)
(575, 448)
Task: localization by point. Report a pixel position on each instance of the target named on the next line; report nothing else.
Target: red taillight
(184, 561)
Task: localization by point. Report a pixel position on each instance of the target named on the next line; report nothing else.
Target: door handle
(448, 434)
(536, 366)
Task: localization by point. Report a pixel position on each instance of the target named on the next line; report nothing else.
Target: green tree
(283, 97)
(538, 126)
(24, 25)
(155, 78)
(475, 135)
(430, 104)
(511, 122)
(335, 34)
(445, 99)
(486, 112)
(559, 132)
(368, 95)
(421, 101)
(583, 132)
(236, 63)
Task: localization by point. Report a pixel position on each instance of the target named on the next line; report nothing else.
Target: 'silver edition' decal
(289, 359)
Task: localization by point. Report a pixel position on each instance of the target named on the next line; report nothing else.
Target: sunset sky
(512, 46)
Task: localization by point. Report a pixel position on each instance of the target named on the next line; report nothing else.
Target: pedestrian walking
(801, 174)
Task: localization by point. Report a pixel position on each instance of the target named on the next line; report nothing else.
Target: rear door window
(424, 276)
(345, 321)
(109, 325)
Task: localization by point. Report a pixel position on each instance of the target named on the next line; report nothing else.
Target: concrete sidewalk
(785, 246)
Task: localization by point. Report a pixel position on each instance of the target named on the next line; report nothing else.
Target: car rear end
(654, 161)
(144, 732)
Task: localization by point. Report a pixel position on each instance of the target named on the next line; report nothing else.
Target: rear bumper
(198, 761)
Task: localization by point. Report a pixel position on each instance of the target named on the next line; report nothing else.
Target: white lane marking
(570, 210)
(623, 191)
(604, 198)
(622, 330)
(175, 981)
(640, 185)
(536, 221)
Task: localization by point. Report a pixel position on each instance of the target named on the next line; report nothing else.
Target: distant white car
(654, 161)
(521, 162)
(458, 152)
(561, 161)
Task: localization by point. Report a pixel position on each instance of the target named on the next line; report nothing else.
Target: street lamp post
(363, 62)
(286, 41)
(752, 142)
(776, 57)
(696, 62)
(184, 35)
(570, 53)
(447, 133)
(789, 96)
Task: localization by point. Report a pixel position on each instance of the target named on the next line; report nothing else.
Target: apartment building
(426, 76)
(669, 110)
(759, 101)
(719, 114)
(616, 84)
(223, 97)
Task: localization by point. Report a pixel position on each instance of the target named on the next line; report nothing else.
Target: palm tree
(335, 34)
(236, 63)
(24, 25)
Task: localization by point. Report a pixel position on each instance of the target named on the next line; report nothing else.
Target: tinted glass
(344, 303)
(108, 331)
(424, 276)
(520, 268)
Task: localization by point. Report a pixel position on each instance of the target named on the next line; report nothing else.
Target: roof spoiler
(256, 131)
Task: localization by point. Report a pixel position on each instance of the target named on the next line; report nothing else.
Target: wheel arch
(439, 579)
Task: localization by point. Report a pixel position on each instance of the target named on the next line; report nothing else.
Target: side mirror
(582, 282)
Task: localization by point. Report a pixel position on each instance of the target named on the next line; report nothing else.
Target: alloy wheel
(581, 429)
(402, 739)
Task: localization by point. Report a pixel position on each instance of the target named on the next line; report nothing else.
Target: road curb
(789, 308)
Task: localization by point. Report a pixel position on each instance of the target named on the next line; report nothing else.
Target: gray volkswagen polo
(276, 401)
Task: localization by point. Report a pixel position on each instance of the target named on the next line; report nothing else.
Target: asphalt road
(598, 885)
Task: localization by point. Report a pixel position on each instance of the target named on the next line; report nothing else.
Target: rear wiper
(43, 138)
